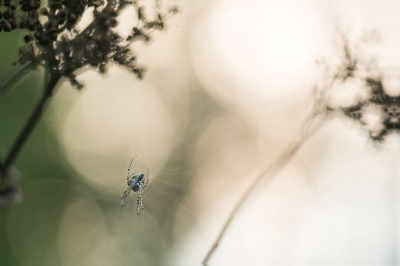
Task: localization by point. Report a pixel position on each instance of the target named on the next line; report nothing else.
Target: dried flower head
(53, 40)
(376, 103)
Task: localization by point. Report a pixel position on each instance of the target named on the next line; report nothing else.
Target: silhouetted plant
(54, 41)
(354, 71)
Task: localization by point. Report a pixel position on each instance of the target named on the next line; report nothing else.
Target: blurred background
(227, 86)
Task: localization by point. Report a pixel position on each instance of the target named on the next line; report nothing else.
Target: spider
(137, 183)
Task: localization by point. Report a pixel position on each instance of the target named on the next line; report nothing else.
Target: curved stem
(16, 76)
(268, 174)
(52, 80)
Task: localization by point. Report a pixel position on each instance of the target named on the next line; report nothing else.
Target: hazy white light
(246, 50)
(86, 18)
(127, 20)
(349, 92)
(373, 117)
(391, 85)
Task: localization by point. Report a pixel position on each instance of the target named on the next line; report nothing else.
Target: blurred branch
(269, 173)
(30, 124)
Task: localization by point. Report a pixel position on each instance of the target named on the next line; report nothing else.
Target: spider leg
(141, 199)
(129, 170)
(124, 195)
(146, 182)
(138, 203)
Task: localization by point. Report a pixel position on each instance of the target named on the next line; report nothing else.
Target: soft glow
(246, 50)
(349, 92)
(83, 223)
(391, 84)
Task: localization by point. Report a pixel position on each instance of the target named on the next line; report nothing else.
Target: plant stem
(268, 174)
(52, 80)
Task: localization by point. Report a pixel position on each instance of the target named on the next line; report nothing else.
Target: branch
(270, 172)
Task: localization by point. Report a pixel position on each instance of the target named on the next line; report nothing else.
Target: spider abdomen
(135, 181)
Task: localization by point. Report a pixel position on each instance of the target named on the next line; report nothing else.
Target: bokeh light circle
(110, 123)
(244, 52)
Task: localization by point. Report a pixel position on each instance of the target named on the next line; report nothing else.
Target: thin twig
(269, 173)
(20, 73)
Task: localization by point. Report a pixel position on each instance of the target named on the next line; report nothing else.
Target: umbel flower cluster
(53, 39)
